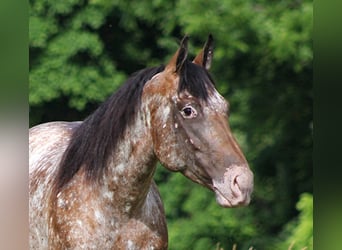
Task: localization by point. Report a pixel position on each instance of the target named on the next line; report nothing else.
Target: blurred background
(82, 51)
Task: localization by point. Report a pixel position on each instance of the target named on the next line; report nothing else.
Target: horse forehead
(166, 84)
(162, 83)
(216, 102)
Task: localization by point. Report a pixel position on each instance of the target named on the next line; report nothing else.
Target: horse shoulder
(147, 229)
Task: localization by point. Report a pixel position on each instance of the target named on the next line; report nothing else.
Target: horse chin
(223, 201)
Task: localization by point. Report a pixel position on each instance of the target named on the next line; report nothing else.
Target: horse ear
(205, 57)
(178, 59)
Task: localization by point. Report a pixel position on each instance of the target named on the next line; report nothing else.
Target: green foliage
(67, 56)
(81, 51)
(298, 233)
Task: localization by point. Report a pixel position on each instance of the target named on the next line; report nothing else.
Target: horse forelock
(196, 80)
(94, 141)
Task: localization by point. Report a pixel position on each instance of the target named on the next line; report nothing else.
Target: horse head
(190, 130)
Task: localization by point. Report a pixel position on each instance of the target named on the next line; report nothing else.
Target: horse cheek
(167, 148)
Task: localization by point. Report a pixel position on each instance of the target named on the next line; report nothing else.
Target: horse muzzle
(235, 187)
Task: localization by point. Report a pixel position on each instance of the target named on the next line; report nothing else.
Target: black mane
(93, 142)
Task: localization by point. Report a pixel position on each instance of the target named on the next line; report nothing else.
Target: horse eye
(189, 112)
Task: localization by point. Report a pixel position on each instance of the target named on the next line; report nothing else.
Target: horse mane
(94, 141)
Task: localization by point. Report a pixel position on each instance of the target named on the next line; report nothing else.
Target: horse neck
(132, 166)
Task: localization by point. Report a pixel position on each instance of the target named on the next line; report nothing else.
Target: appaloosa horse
(91, 182)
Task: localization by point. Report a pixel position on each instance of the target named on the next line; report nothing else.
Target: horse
(91, 183)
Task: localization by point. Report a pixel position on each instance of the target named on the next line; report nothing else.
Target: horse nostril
(241, 184)
(235, 186)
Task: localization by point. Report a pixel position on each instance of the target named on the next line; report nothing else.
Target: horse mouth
(221, 199)
(224, 201)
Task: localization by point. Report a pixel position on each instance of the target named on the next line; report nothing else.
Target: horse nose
(241, 185)
(235, 188)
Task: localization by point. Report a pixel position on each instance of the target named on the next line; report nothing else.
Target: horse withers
(91, 182)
